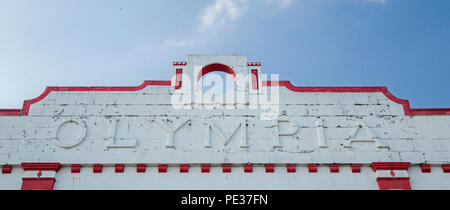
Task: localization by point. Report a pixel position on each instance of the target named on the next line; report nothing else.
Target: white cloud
(281, 3)
(176, 43)
(221, 11)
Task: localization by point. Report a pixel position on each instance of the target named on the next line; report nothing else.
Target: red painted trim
(216, 67)
(270, 168)
(356, 168)
(140, 168)
(291, 168)
(405, 103)
(179, 63)
(254, 79)
(205, 168)
(184, 168)
(41, 166)
(119, 168)
(76, 168)
(28, 103)
(389, 183)
(334, 168)
(248, 168)
(178, 73)
(10, 112)
(98, 168)
(390, 165)
(253, 64)
(29, 183)
(446, 168)
(226, 168)
(162, 168)
(392, 178)
(6, 169)
(312, 168)
(436, 111)
(426, 168)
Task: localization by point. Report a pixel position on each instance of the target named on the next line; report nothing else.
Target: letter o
(69, 133)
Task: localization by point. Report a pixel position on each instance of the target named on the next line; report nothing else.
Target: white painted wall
(138, 138)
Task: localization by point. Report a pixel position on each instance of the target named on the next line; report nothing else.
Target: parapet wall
(140, 125)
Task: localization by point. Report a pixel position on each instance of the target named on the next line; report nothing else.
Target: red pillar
(392, 175)
(39, 176)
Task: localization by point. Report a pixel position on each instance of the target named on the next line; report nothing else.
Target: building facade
(261, 134)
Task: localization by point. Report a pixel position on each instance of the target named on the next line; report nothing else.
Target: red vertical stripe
(178, 78)
(254, 79)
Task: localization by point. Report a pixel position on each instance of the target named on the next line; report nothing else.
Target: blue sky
(401, 44)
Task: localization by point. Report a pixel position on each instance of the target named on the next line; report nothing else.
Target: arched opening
(216, 67)
(221, 80)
